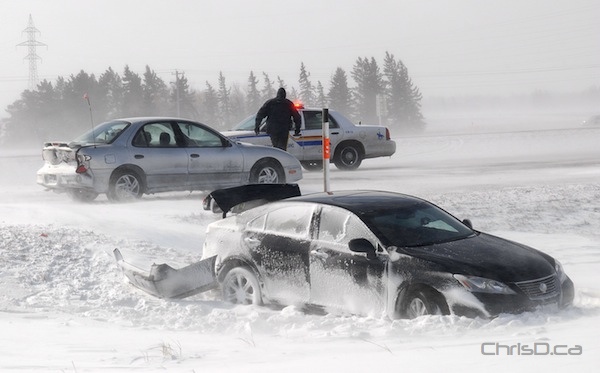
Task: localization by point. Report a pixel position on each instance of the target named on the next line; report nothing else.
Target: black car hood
(486, 256)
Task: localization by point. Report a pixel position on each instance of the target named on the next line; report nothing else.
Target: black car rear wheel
(241, 286)
(125, 185)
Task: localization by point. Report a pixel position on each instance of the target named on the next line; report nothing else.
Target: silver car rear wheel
(125, 186)
(241, 286)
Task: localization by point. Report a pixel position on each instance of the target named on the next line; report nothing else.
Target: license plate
(51, 179)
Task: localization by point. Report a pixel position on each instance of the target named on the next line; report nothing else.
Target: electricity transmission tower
(32, 56)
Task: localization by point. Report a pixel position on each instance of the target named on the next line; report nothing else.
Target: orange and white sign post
(326, 150)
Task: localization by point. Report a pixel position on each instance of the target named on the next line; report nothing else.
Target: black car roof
(360, 201)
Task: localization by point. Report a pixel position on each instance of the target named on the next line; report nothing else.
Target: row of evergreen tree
(58, 111)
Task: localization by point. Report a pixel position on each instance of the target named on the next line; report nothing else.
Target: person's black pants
(279, 140)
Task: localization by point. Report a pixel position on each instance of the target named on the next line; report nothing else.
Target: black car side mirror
(468, 223)
(362, 245)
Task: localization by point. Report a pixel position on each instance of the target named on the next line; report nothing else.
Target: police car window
(313, 120)
(333, 123)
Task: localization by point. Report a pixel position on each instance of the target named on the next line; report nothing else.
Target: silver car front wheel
(267, 172)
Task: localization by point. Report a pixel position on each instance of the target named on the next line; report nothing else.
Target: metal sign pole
(326, 150)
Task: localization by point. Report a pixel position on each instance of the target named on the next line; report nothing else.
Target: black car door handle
(252, 242)
(138, 156)
(194, 155)
(335, 133)
(319, 254)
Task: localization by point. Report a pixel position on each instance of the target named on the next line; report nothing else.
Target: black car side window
(290, 221)
(340, 226)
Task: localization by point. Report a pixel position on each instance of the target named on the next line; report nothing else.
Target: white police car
(349, 143)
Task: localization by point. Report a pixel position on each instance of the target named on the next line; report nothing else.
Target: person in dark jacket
(279, 112)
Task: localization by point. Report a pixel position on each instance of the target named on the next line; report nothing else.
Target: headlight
(483, 285)
(560, 272)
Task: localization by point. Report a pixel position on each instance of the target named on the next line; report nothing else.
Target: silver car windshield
(419, 224)
(105, 133)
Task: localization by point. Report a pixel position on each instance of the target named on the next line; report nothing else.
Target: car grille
(542, 288)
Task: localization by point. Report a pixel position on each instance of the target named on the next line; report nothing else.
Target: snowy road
(65, 307)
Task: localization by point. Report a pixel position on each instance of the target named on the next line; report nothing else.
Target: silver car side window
(156, 135)
(198, 137)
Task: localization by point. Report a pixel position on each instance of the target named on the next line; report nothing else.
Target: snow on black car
(376, 253)
(350, 144)
(365, 252)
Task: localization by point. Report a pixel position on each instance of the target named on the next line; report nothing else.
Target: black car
(375, 252)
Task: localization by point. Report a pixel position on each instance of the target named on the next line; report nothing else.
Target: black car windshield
(105, 133)
(418, 224)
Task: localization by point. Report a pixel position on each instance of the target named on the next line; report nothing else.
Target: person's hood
(281, 93)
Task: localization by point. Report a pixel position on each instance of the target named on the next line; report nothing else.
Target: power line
(32, 56)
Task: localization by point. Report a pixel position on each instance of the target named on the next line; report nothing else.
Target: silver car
(126, 158)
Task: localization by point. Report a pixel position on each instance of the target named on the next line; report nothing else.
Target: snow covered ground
(65, 306)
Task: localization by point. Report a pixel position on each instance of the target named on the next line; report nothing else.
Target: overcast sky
(457, 47)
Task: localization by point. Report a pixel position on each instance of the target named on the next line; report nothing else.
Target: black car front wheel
(125, 185)
(241, 286)
(421, 302)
